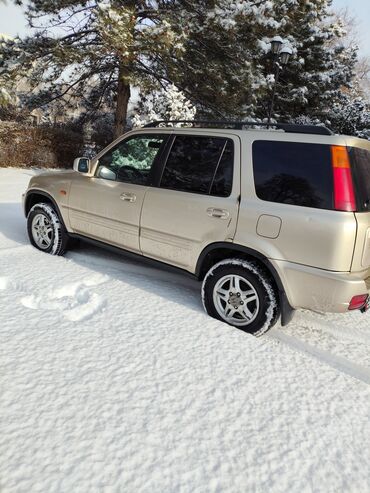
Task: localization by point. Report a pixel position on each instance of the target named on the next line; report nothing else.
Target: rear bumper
(317, 289)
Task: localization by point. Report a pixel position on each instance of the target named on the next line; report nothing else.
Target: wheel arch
(35, 196)
(218, 251)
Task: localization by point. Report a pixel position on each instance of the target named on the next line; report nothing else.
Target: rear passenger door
(196, 202)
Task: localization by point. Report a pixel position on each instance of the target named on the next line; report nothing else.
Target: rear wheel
(239, 293)
(45, 230)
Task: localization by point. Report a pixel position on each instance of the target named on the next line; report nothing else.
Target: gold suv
(269, 219)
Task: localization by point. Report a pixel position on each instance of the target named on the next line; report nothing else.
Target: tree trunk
(123, 97)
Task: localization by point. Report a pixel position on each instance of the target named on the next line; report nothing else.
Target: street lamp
(285, 54)
(276, 44)
(281, 55)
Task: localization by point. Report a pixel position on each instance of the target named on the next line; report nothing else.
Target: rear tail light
(344, 195)
(358, 302)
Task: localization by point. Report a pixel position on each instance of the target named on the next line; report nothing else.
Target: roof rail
(239, 125)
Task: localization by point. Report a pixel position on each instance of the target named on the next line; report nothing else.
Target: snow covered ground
(113, 379)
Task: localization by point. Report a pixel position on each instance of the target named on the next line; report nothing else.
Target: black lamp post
(276, 45)
(281, 57)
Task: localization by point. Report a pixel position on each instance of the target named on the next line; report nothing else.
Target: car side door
(107, 205)
(196, 202)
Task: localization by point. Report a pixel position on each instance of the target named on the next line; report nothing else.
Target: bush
(43, 147)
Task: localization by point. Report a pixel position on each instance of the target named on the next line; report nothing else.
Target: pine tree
(5, 82)
(221, 70)
(94, 51)
(167, 104)
(350, 114)
(216, 52)
(227, 69)
(321, 66)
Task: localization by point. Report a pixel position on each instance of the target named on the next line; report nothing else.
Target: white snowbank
(114, 379)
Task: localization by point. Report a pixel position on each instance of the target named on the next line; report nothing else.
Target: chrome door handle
(219, 213)
(128, 197)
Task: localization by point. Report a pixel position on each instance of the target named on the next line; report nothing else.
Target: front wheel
(239, 293)
(45, 230)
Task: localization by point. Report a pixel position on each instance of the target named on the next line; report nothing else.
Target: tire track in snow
(338, 329)
(337, 362)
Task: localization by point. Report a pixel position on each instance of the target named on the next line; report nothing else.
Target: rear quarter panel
(314, 237)
(361, 256)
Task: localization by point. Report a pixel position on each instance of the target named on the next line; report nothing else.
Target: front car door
(197, 200)
(107, 205)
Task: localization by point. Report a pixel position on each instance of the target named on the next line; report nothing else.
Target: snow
(114, 379)
(167, 104)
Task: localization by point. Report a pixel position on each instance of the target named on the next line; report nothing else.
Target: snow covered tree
(350, 114)
(352, 39)
(220, 70)
(94, 51)
(322, 65)
(227, 68)
(167, 104)
(5, 83)
(216, 52)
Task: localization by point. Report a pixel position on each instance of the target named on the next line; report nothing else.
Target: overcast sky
(12, 21)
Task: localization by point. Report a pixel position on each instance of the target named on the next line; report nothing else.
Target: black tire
(265, 308)
(58, 235)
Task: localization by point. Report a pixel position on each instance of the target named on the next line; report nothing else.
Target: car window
(131, 160)
(293, 173)
(199, 164)
(223, 180)
(360, 159)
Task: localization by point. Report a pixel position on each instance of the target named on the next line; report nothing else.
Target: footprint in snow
(76, 301)
(7, 284)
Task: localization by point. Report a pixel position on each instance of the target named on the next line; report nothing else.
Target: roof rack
(286, 127)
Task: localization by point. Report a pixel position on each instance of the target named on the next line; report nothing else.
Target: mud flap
(287, 312)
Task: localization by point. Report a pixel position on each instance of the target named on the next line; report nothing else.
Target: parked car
(270, 220)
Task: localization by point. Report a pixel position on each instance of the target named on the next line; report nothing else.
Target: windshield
(360, 160)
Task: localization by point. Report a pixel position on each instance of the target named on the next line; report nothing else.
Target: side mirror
(106, 173)
(81, 164)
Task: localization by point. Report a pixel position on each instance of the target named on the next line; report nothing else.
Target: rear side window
(200, 165)
(293, 173)
(360, 161)
(223, 178)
